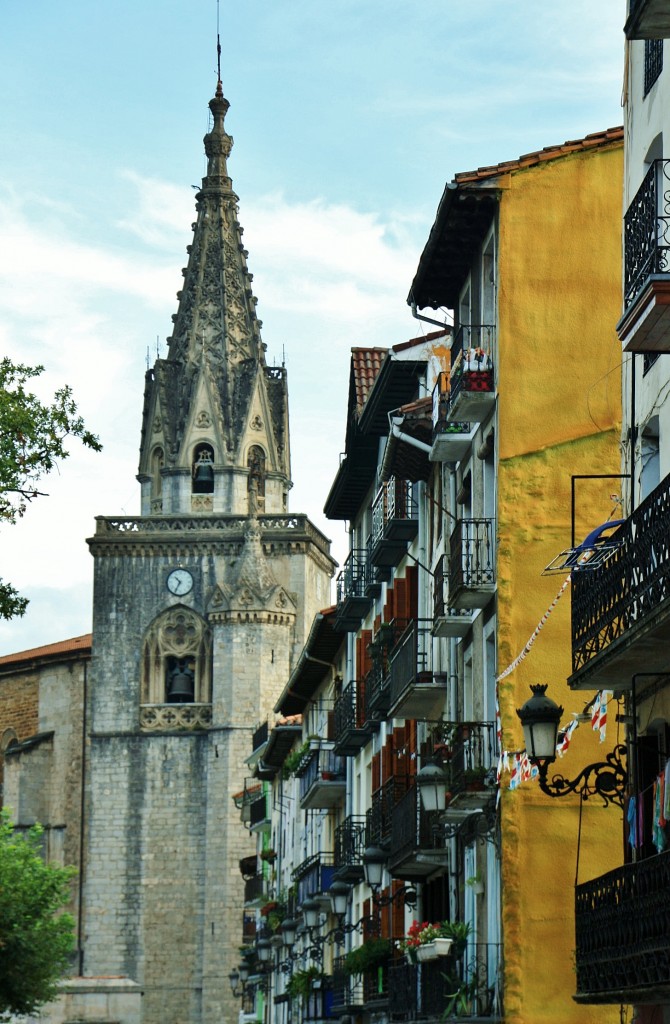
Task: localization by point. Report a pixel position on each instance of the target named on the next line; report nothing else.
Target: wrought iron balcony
(621, 608)
(353, 591)
(259, 814)
(622, 936)
(471, 382)
(255, 891)
(322, 777)
(469, 754)
(646, 320)
(378, 680)
(314, 877)
(379, 815)
(451, 440)
(415, 691)
(347, 989)
(260, 736)
(351, 729)
(647, 19)
(469, 987)
(414, 852)
(447, 621)
(395, 521)
(349, 849)
(472, 563)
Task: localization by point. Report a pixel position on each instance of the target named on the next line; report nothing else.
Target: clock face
(180, 582)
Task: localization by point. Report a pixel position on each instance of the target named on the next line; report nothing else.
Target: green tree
(35, 939)
(32, 440)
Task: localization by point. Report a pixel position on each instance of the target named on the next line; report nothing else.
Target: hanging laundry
(657, 833)
(631, 818)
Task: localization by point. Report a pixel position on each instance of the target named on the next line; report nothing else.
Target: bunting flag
(565, 737)
(599, 713)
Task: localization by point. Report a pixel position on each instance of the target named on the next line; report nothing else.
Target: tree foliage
(32, 440)
(35, 939)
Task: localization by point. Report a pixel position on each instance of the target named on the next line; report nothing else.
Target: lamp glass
(234, 978)
(432, 781)
(339, 898)
(311, 911)
(540, 739)
(244, 972)
(264, 950)
(289, 928)
(374, 862)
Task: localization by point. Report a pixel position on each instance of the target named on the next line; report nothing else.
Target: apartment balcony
(645, 324)
(447, 621)
(395, 521)
(351, 729)
(255, 892)
(451, 440)
(622, 935)
(621, 608)
(415, 690)
(415, 852)
(353, 591)
(259, 814)
(378, 679)
(472, 564)
(379, 815)
(322, 777)
(468, 988)
(647, 19)
(469, 754)
(313, 878)
(472, 393)
(318, 1005)
(349, 849)
(347, 990)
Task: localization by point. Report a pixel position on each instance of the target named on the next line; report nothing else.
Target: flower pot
(427, 951)
(443, 946)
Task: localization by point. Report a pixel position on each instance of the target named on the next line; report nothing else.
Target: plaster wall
(558, 414)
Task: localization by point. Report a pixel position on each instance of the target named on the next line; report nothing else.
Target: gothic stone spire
(215, 392)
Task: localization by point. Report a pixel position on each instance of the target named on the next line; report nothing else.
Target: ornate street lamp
(432, 782)
(339, 898)
(374, 862)
(540, 717)
(311, 912)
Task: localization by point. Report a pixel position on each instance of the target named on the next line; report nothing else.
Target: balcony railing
(472, 563)
(395, 521)
(260, 736)
(351, 729)
(465, 988)
(626, 598)
(379, 815)
(471, 381)
(647, 231)
(322, 777)
(349, 848)
(451, 440)
(353, 593)
(255, 891)
(412, 837)
(447, 621)
(415, 690)
(347, 989)
(313, 877)
(259, 814)
(622, 936)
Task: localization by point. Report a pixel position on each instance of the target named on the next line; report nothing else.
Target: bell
(180, 684)
(203, 477)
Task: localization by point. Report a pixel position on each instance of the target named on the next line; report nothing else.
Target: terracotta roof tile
(365, 364)
(593, 141)
(77, 643)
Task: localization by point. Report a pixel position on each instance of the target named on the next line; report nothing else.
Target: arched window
(256, 466)
(202, 471)
(157, 463)
(176, 659)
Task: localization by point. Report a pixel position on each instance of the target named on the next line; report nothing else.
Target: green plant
(368, 955)
(301, 982)
(460, 1000)
(459, 931)
(292, 760)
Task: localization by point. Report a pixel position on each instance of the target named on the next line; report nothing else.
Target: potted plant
(425, 941)
(458, 932)
(292, 760)
(302, 982)
(368, 956)
(473, 778)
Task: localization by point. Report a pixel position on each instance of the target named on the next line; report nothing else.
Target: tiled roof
(593, 141)
(77, 643)
(365, 364)
(430, 336)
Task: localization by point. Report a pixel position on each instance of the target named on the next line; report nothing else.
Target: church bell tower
(201, 605)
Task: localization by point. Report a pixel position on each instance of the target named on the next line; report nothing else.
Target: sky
(348, 118)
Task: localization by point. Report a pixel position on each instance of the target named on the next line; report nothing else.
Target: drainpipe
(394, 422)
(427, 319)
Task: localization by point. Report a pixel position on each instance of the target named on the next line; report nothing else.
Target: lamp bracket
(606, 779)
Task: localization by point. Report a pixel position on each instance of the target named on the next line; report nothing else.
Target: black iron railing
(653, 62)
(647, 230)
(379, 815)
(471, 555)
(442, 425)
(621, 928)
(321, 765)
(394, 500)
(353, 579)
(473, 336)
(347, 989)
(621, 592)
(465, 987)
(411, 827)
(411, 658)
(260, 736)
(258, 811)
(350, 844)
(313, 876)
(349, 710)
(255, 889)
